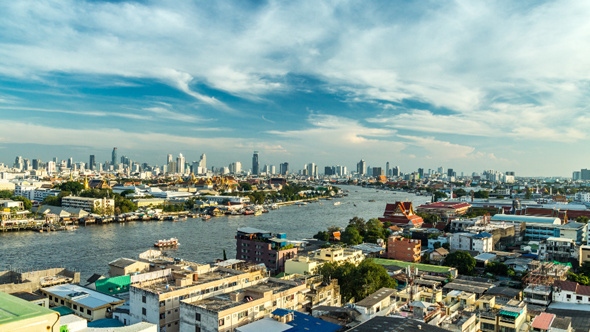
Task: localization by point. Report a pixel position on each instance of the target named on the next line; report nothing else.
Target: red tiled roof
(566, 285)
(445, 205)
(543, 321)
(583, 290)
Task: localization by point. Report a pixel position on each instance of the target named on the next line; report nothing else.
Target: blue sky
(462, 84)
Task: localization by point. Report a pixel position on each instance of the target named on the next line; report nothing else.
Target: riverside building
(258, 246)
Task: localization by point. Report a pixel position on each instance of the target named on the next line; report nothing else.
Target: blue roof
(307, 323)
(511, 217)
(63, 310)
(483, 235)
(281, 312)
(105, 323)
(485, 256)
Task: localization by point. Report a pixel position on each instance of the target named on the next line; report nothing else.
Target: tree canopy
(438, 195)
(26, 202)
(357, 282)
(461, 260)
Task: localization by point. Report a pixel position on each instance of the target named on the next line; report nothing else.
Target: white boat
(337, 203)
(172, 242)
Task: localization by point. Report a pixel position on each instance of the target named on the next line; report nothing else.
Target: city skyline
(498, 86)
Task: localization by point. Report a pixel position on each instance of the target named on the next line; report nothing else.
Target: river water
(89, 249)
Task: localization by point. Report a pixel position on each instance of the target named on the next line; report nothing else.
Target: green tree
(246, 186)
(26, 202)
(72, 186)
(460, 192)
(357, 282)
(528, 194)
(481, 194)
(52, 200)
(446, 246)
(351, 236)
(360, 224)
(375, 231)
(582, 219)
(436, 245)
(5, 194)
(438, 195)
(322, 236)
(428, 218)
(497, 268)
(461, 260)
(128, 191)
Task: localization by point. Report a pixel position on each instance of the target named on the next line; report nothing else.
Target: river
(89, 249)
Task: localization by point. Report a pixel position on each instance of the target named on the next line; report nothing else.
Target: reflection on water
(89, 249)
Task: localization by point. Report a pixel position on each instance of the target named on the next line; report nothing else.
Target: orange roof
(543, 321)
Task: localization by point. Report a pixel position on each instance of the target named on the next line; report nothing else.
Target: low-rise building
(558, 249)
(481, 242)
(437, 256)
(400, 248)
(506, 318)
(570, 292)
(547, 322)
(125, 266)
(89, 204)
(310, 263)
(85, 302)
(19, 315)
(379, 303)
(227, 311)
(288, 320)
(445, 209)
(258, 246)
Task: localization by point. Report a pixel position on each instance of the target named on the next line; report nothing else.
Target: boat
(206, 217)
(248, 212)
(171, 218)
(218, 213)
(372, 200)
(257, 213)
(172, 242)
(264, 211)
(274, 207)
(337, 203)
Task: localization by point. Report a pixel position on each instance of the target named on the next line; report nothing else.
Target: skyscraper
(203, 161)
(36, 164)
(169, 159)
(114, 158)
(92, 163)
(387, 169)
(450, 172)
(284, 168)
(71, 162)
(361, 167)
(180, 162)
(311, 170)
(255, 163)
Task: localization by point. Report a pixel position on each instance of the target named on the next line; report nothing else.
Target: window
(143, 311)
(221, 322)
(62, 302)
(50, 298)
(198, 317)
(579, 298)
(88, 311)
(143, 299)
(175, 310)
(162, 303)
(568, 296)
(75, 307)
(163, 315)
(198, 329)
(81, 310)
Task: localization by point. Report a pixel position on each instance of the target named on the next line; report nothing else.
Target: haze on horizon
(461, 84)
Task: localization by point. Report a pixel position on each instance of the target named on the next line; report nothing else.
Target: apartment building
(507, 318)
(157, 300)
(310, 263)
(88, 203)
(85, 302)
(258, 246)
(461, 225)
(227, 310)
(482, 242)
(558, 249)
(400, 248)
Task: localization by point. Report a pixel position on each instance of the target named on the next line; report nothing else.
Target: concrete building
(402, 249)
(570, 292)
(445, 209)
(558, 249)
(22, 316)
(229, 310)
(89, 203)
(258, 246)
(125, 266)
(379, 303)
(85, 302)
(481, 242)
(547, 322)
(309, 264)
(289, 320)
(157, 300)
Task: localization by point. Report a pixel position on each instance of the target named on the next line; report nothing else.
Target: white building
(558, 249)
(570, 292)
(481, 242)
(88, 203)
(582, 197)
(231, 199)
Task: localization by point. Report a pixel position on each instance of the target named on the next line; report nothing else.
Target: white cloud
(167, 114)
(85, 113)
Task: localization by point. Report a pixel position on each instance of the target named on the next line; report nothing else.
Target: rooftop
(251, 230)
(421, 267)
(27, 296)
(394, 324)
(376, 297)
(166, 285)
(82, 295)
(533, 219)
(122, 262)
(13, 309)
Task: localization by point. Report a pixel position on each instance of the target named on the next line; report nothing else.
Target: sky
(468, 85)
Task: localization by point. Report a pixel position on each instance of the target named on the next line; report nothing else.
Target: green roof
(421, 267)
(13, 309)
(113, 285)
(63, 310)
(509, 313)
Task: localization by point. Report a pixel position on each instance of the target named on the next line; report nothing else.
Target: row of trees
(357, 282)
(357, 231)
(122, 204)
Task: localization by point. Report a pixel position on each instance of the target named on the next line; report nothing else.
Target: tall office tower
(284, 168)
(99, 167)
(18, 162)
(396, 171)
(273, 169)
(172, 167)
(311, 170)
(203, 161)
(421, 172)
(266, 169)
(35, 164)
(361, 167)
(114, 158)
(315, 170)
(92, 164)
(50, 167)
(70, 162)
(255, 163)
(328, 171)
(236, 167)
(450, 172)
(169, 159)
(180, 163)
(377, 171)
(387, 168)
(441, 170)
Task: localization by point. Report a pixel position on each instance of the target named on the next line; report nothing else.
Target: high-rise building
(387, 168)
(172, 167)
(441, 170)
(450, 172)
(577, 175)
(361, 167)
(203, 161)
(421, 172)
(273, 169)
(340, 170)
(70, 162)
(92, 163)
(114, 158)
(329, 170)
(311, 170)
(396, 171)
(377, 171)
(50, 167)
(235, 168)
(180, 164)
(36, 164)
(255, 163)
(284, 168)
